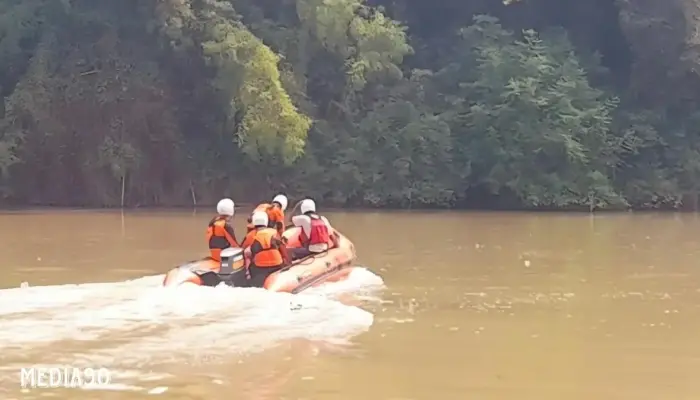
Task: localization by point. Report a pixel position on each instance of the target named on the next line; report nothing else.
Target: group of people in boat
(267, 247)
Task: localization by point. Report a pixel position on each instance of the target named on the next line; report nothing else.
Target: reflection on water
(487, 306)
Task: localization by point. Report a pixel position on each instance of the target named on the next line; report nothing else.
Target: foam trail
(39, 298)
(360, 279)
(137, 325)
(257, 321)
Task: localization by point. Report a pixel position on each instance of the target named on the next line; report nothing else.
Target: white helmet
(225, 207)
(308, 205)
(282, 199)
(259, 218)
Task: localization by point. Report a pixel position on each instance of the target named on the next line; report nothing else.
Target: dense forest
(395, 103)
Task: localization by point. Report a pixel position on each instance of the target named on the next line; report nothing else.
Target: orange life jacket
(219, 237)
(249, 237)
(275, 217)
(265, 250)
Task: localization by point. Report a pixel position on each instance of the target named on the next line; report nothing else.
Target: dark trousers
(297, 253)
(259, 274)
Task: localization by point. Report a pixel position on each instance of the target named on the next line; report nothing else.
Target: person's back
(220, 234)
(317, 234)
(275, 213)
(267, 251)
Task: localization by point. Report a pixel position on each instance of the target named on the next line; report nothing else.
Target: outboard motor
(232, 267)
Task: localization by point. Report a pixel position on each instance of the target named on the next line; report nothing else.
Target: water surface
(484, 306)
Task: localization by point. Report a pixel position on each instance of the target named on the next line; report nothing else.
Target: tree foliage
(534, 103)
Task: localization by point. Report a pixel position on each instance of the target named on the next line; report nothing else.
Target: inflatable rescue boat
(331, 266)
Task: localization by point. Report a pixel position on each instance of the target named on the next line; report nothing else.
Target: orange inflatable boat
(331, 266)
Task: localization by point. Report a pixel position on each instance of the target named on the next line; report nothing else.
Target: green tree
(537, 104)
(528, 120)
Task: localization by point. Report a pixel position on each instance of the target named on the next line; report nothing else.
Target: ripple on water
(135, 325)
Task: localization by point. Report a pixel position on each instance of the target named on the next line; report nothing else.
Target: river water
(451, 306)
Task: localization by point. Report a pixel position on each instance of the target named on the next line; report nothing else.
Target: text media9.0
(64, 378)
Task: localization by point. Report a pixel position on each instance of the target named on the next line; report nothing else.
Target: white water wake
(137, 325)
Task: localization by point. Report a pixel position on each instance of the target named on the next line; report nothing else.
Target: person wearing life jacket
(317, 234)
(267, 253)
(275, 213)
(220, 233)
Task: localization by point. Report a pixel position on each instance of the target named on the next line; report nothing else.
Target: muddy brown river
(472, 306)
